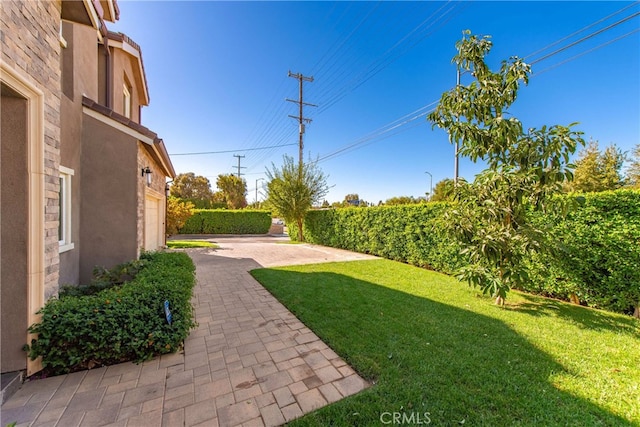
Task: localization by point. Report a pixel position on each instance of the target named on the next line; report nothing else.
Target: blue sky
(217, 76)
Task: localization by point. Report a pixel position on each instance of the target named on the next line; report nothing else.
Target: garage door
(152, 223)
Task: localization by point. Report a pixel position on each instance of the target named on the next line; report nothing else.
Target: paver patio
(250, 362)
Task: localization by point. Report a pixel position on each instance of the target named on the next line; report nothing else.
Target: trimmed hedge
(222, 221)
(407, 233)
(121, 323)
(596, 256)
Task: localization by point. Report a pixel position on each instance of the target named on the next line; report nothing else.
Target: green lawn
(184, 244)
(433, 345)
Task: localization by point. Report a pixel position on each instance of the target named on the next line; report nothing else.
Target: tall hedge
(222, 221)
(407, 233)
(596, 247)
(597, 255)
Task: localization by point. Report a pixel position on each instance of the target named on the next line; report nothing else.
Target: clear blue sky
(217, 76)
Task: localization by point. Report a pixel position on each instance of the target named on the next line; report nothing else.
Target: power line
(586, 52)
(384, 130)
(587, 37)
(580, 30)
(230, 151)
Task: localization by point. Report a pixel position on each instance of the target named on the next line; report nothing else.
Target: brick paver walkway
(250, 362)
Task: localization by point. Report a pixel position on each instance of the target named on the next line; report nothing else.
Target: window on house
(126, 98)
(64, 225)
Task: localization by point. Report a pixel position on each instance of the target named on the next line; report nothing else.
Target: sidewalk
(250, 362)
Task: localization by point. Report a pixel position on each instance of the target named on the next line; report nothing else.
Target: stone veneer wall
(30, 45)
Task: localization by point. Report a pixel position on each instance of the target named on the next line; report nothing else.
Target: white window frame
(64, 233)
(126, 99)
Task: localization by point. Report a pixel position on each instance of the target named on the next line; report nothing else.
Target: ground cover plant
(187, 244)
(438, 350)
(123, 322)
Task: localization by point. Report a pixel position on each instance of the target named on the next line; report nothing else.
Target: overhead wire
(381, 132)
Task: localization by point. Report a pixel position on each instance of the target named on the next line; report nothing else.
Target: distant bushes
(595, 250)
(117, 322)
(227, 222)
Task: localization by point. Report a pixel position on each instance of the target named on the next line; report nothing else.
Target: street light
(430, 185)
(259, 179)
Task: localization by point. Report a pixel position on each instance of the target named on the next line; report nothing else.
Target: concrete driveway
(250, 362)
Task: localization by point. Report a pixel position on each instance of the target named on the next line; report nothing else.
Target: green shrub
(224, 221)
(122, 323)
(598, 251)
(104, 278)
(407, 233)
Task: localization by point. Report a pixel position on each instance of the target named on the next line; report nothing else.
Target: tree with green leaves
(233, 191)
(633, 171)
(403, 200)
(443, 191)
(178, 212)
(598, 171)
(293, 189)
(193, 188)
(524, 168)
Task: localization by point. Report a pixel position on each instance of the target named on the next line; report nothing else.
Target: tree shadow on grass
(587, 317)
(425, 357)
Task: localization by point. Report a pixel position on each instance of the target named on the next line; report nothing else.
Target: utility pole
(258, 180)
(300, 117)
(239, 167)
(455, 163)
(430, 185)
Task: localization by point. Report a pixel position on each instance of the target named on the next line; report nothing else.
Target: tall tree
(598, 171)
(443, 191)
(190, 186)
(633, 171)
(234, 191)
(292, 190)
(524, 169)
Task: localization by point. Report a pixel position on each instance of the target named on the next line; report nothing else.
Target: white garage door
(152, 223)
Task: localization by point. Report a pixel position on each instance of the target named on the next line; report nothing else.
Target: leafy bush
(227, 222)
(104, 278)
(598, 251)
(407, 233)
(121, 323)
(178, 212)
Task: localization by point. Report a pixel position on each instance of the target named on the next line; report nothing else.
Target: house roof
(91, 12)
(126, 44)
(155, 145)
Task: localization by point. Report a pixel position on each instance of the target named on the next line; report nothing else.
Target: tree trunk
(499, 300)
(574, 298)
(636, 312)
(300, 236)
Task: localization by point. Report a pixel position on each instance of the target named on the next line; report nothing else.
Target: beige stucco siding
(79, 76)
(109, 175)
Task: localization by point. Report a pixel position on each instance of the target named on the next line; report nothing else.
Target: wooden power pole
(300, 117)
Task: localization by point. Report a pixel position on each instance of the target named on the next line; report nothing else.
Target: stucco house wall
(79, 76)
(108, 225)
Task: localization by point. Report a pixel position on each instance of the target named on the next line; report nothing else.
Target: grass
(185, 244)
(433, 345)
